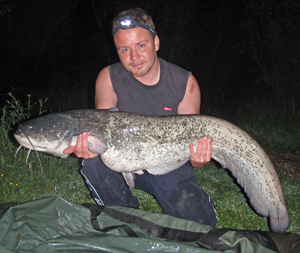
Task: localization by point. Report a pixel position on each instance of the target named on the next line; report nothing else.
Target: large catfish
(128, 143)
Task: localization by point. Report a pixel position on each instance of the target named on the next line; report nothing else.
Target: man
(145, 84)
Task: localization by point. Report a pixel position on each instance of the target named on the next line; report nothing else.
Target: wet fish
(130, 143)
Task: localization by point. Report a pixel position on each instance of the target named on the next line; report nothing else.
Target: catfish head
(51, 133)
(55, 132)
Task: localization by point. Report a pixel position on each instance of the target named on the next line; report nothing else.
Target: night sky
(239, 51)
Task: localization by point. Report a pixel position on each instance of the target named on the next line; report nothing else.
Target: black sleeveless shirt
(162, 98)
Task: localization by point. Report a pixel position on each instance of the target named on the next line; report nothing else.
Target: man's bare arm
(105, 96)
(191, 105)
(191, 101)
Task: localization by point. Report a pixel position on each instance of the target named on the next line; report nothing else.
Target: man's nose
(134, 54)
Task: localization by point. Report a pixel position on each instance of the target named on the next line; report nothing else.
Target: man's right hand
(81, 149)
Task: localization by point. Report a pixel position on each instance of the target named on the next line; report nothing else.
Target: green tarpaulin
(54, 224)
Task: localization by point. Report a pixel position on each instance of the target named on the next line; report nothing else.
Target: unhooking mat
(54, 224)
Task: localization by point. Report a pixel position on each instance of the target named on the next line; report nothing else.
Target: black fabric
(208, 240)
(96, 211)
(286, 242)
(211, 239)
(107, 186)
(145, 225)
(177, 192)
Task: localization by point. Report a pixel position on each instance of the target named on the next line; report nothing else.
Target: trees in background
(269, 34)
(238, 50)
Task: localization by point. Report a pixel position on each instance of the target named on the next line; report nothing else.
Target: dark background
(239, 51)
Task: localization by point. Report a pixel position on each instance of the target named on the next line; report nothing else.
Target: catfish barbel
(128, 143)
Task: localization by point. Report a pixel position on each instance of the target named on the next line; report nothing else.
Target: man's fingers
(69, 150)
(201, 148)
(203, 152)
(191, 148)
(209, 149)
(85, 145)
(78, 146)
(81, 149)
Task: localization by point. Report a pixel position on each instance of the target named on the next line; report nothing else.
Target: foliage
(269, 35)
(237, 50)
(21, 178)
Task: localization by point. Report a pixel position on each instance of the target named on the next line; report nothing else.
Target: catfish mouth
(19, 135)
(42, 144)
(23, 139)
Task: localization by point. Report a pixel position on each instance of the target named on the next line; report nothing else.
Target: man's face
(137, 50)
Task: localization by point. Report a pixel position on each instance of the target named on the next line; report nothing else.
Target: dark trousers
(177, 192)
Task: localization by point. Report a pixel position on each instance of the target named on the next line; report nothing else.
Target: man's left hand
(203, 152)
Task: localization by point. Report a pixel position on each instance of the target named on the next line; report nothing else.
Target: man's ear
(156, 43)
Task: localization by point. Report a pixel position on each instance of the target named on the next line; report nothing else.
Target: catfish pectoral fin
(96, 145)
(129, 179)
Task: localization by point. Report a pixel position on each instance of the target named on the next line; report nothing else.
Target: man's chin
(138, 72)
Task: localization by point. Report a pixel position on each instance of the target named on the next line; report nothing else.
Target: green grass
(233, 206)
(22, 181)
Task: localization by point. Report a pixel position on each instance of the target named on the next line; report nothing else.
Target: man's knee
(107, 187)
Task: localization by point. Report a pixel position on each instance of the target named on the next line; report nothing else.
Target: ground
(287, 165)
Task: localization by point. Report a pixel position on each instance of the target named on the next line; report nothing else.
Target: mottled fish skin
(160, 144)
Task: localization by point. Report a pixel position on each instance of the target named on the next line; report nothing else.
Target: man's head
(136, 43)
(133, 18)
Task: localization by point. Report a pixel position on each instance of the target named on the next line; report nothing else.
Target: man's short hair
(138, 14)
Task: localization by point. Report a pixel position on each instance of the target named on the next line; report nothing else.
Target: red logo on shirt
(167, 108)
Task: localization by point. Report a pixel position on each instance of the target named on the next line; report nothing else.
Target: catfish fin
(95, 144)
(129, 179)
